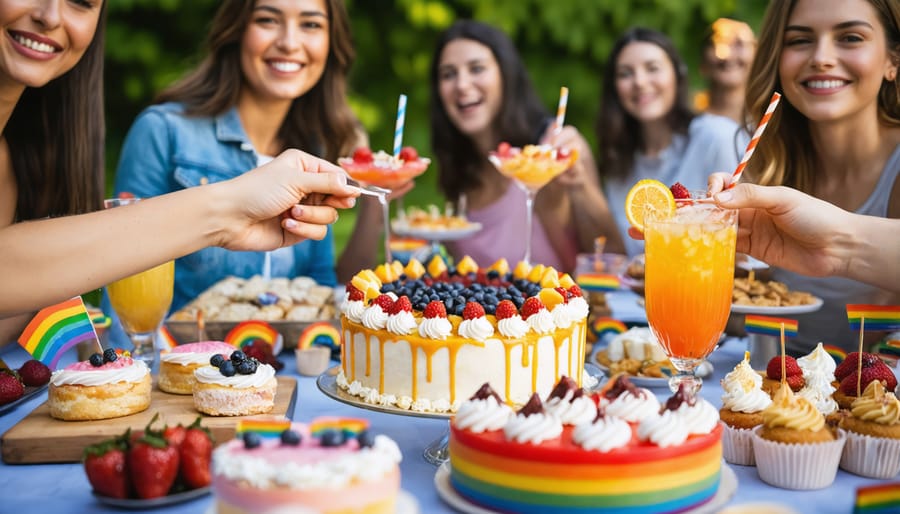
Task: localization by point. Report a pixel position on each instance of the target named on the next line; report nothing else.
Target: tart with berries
(234, 385)
(177, 366)
(426, 339)
(383, 169)
(107, 385)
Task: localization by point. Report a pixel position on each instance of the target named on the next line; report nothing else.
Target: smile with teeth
(824, 84)
(285, 66)
(34, 45)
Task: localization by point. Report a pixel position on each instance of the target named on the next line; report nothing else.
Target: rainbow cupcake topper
(770, 326)
(873, 317)
(597, 282)
(268, 428)
(836, 353)
(246, 331)
(350, 427)
(320, 333)
(603, 325)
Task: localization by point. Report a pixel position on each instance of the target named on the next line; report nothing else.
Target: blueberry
(227, 368)
(476, 287)
(366, 439)
(331, 437)
(109, 355)
(505, 296)
(267, 298)
(490, 309)
(479, 296)
(459, 309)
(420, 306)
(290, 438)
(245, 368)
(388, 288)
(252, 440)
(434, 297)
(403, 277)
(492, 274)
(217, 360)
(238, 356)
(449, 304)
(518, 301)
(96, 360)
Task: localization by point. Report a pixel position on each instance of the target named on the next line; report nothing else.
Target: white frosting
(478, 329)
(818, 391)
(605, 434)
(435, 328)
(186, 358)
(579, 307)
(818, 362)
(701, 418)
(636, 343)
(374, 317)
(562, 314)
(401, 323)
(533, 429)
(541, 322)
(212, 375)
(513, 326)
(634, 408)
(666, 429)
(572, 412)
(354, 310)
(371, 395)
(742, 390)
(482, 415)
(134, 373)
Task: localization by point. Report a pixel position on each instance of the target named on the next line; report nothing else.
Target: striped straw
(773, 103)
(398, 128)
(561, 109)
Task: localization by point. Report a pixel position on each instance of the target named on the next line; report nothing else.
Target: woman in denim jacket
(274, 78)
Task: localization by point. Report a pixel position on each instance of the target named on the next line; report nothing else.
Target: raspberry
(473, 310)
(34, 373)
(850, 363)
(564, 293)
(791, 368)
(506, 309)
(878, 371)
(575, 291)
(531, 306)
(679, 191)
(363, 155)
(401, 305)
(796, 382)
(408, 154)
(10, 389)
(503, 149)
(435, 309)
(354, 294)
(384, 301)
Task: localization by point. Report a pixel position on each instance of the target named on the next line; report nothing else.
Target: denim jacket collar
(229, 127)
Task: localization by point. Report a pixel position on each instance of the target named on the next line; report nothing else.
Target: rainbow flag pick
(878, 499)
(268, 428)
(55, 329)
(321, 333)
(603, 325)
(770, 326)
(351, 427)
(597, 282)
(878, 317)
(836, 353)
(164, 339)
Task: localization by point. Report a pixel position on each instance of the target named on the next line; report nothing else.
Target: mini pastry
(177, 366)
(237, 386)
(105, 386)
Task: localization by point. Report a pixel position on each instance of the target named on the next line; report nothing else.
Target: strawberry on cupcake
(793, 372)
(873, 368)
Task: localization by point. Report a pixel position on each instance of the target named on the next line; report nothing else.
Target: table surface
(63, 488)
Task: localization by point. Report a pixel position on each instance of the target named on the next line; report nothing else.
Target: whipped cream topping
(742, 388)
(478, 328)
(700, 418)
(570, 411)
(604, 434)
(354, 310)
(563, 315)
(818, 391)
(374, 317)
(196, 353)
(212, 375)
(579, 307)
(541, 322)
(663, 430)
(634, 408)
(124, 369)
(435, 328)
(818, 362)
(401, 323)
(513, 326)
(482, 415)
(533, 429)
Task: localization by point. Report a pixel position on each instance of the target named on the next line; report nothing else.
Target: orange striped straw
(773, 103)
(561, 109)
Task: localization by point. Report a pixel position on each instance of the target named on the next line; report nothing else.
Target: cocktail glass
(688, 278)
(531, 168)
(387, 173)
(141, 301)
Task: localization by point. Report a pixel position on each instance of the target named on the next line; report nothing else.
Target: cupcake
(818, 376)
(742, 404)
(794, 448)
(873, 434)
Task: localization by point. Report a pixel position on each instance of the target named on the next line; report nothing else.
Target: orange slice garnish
(645, 194)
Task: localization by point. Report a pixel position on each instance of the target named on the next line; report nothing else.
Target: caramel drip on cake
(381, 366)
(368, 358)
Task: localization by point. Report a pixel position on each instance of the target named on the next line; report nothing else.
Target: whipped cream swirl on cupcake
(743, 389)
(603, 434)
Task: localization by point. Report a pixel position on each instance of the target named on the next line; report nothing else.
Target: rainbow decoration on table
(836, 353)
(877, 317)
(597, 282)
(267, 428)
(164, 339)
(603, 325)
(770, 326)
(878, 499)
(101, 321)
(247, 331)
(57, 328)
(351, 427)
(320, 333)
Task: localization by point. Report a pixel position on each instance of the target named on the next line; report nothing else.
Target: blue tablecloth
(63, 488)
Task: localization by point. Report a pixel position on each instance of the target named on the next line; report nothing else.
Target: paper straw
(398, 128)
(773, 103)
(561, 109)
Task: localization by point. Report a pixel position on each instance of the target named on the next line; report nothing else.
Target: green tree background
(150, 43)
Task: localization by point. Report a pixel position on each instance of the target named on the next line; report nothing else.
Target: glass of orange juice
(141, 301)
(688, 278)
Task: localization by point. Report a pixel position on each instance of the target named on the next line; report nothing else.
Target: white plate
(406, 504)
(727, 486)
(402, 229)
(704, 370)
(777, 311)
(152, 503)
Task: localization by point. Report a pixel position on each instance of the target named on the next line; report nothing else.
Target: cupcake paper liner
(797, 466)
(868, 456)
(737, 446)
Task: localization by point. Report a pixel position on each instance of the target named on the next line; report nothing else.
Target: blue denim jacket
(167, 151)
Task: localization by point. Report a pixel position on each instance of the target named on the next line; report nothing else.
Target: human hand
(569, 138)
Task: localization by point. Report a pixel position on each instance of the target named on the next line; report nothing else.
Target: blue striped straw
(398, 128)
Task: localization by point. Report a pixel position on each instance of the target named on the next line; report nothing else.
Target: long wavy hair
(783, 157)
(55, 134)
(519, 120)
(619, 134)
(319, 122)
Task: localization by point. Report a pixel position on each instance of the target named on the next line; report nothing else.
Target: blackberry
(217, 360)
(96, 360)
(290, 438)
(330, 438)
(252, 440)
(227, 368)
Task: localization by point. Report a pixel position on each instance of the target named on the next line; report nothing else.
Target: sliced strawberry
(575, 291)
(435, 309)
(401, 305)
(354, 294)
(408, 154)
(532, 306)
(791, 368)
(473, 310)
(363, 155)
(506, 309)
(564, 293)
(384, 301)
(679, 191)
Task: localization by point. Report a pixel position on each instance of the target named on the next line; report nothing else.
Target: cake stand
(435, 236)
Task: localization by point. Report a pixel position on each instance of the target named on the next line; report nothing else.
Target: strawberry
(564, 293)
(363, 155)
(473, 310)
(10, 388)
(354, 294)
(791, 368)
(384, 301)
(575, 291)
(34, 373)
(532, 306)
(152, 463)
(195, 455)
(262, 351)
(503, 149)
(435, 309)
(174, 435)
(408, 154)
(851, 362)
(106, 466)
(401, 305)
(506, 309)
(563, 154)
(679, 191)
(877, 371)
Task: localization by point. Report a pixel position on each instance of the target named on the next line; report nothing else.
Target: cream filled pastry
(177, 366)
(105, 386)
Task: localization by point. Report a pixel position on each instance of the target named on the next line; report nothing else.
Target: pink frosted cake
(326, 470)
(106, 386)
(176, 366)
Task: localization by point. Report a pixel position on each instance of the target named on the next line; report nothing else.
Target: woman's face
(834, 59)
(645, 81)
(727, 65)
(285, 48)
(44, 39)
(470, 86)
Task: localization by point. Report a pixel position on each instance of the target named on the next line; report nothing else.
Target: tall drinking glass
(141, 301)
(689, 276)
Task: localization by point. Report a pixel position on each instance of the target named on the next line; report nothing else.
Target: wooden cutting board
(38, 438)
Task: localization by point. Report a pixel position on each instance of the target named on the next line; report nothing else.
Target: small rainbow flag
(878, 499)
(351, 427)
(246, 331)
(878, 317)
(55, 329)
(164, 339)
(268, 428)
(770, 326)
(838, 354)
(597, 282)
(321, 333)
(603, 325)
